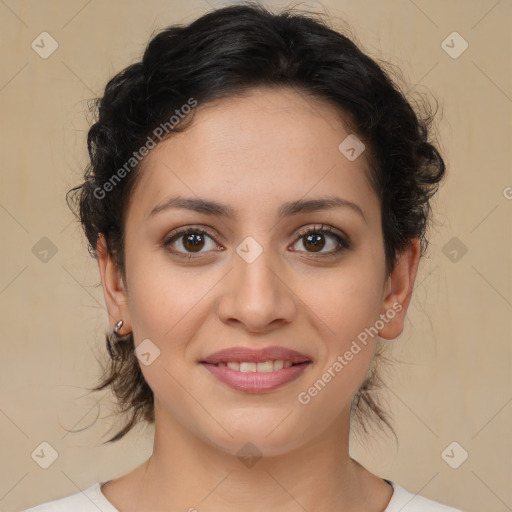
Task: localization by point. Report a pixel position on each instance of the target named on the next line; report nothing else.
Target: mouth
(252, 370)
(261, 377)
(260, 367)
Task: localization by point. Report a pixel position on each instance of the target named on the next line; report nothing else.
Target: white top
(93, 500)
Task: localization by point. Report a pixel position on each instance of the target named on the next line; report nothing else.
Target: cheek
(344, 315)
(345, 305)
(345, 301)
(168, 305)
(159, 293)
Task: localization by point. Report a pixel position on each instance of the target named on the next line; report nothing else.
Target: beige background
(454, 382)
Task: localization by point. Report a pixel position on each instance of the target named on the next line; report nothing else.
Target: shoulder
(404, 501)
(88, 500)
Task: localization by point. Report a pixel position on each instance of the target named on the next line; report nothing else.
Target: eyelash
(343, 243)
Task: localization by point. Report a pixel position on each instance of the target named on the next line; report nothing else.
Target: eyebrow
(288, 209)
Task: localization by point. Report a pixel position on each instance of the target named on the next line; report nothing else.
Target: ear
(398, 290)
(114, 288)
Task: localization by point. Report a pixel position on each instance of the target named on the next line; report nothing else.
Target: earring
(115, 329)
(111, 339)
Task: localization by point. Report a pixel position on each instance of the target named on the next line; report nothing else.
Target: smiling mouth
(256, 376)
(261, 367)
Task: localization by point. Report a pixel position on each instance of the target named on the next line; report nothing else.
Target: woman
(257, 200)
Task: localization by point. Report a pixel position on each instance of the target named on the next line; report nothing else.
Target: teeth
(279, 364)
(267, 366)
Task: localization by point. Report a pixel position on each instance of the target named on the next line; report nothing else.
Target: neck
(186, 472)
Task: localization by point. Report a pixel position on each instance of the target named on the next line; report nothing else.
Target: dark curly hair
(219, 55)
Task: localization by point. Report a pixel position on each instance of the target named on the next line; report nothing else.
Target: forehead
(251, 150)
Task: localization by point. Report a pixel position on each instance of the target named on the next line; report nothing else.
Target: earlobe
(398, 290)
(113, 286)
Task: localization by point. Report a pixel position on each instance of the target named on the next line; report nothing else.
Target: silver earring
(112, 339)
(115, 329)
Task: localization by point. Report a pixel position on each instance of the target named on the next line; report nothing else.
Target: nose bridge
(255, 294)
(255, 282)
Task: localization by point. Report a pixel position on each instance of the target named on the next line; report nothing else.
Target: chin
(268, 440)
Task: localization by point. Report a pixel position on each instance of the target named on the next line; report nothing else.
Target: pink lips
(256, 382)
(251, 355)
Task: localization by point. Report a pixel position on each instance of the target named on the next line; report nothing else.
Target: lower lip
(256, 382)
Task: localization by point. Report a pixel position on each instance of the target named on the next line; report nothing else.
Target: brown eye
(189, 241)
(314, 240)
(193, 241)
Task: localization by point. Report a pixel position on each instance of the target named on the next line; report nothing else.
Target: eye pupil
(195, 239)
(316, 240)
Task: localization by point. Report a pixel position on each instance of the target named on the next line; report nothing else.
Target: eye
(190, 240)
(314, 240)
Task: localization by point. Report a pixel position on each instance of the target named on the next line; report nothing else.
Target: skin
(254, 153)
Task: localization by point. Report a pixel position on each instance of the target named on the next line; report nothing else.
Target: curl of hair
(222, 54)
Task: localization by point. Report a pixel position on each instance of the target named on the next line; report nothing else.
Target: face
(259, 277)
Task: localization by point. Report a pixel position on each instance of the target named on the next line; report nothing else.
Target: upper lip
(251, 355)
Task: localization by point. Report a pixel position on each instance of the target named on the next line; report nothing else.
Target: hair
(222, 54)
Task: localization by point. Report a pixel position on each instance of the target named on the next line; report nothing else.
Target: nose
(256, 296)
